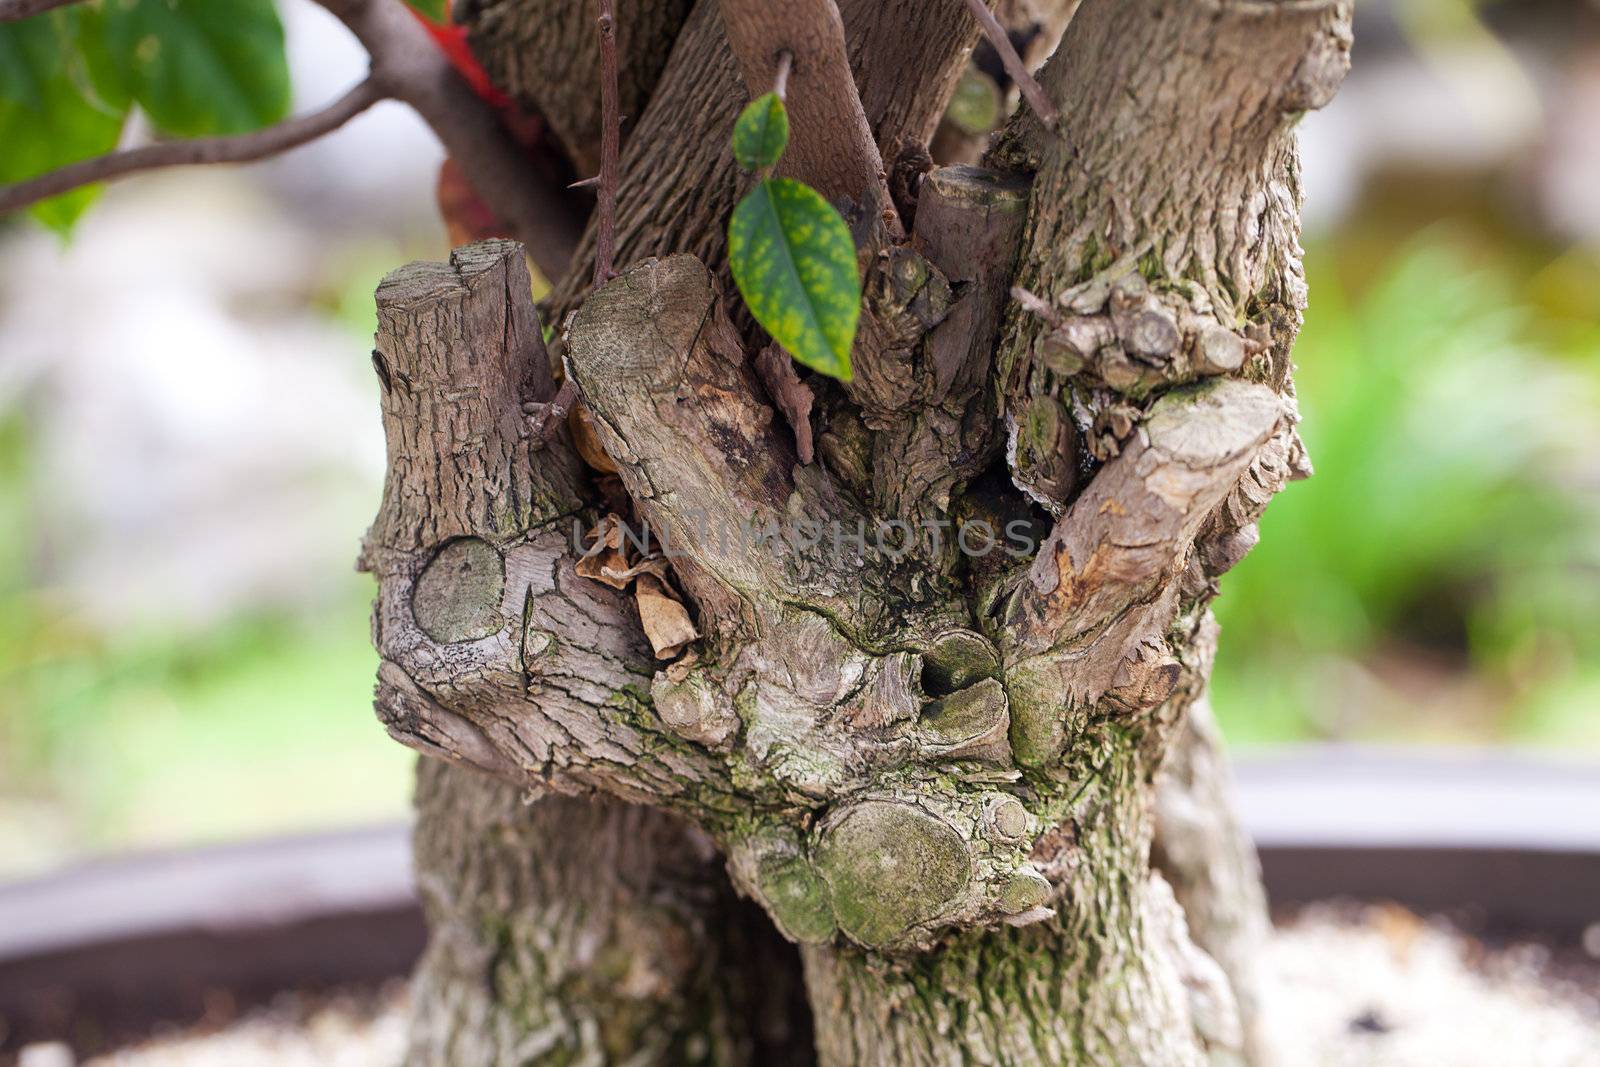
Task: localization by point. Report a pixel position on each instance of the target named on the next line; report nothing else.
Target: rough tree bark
(564, 929)
(934, 767)
(576, 930)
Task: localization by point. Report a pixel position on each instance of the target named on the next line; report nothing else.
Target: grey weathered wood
(969, 226)
(525, 903)
(934, 771)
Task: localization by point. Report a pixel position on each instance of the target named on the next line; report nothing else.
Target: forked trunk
(941, 765)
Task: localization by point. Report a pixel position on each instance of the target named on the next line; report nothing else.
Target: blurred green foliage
(261, 724)
(1439, 577)
(193, 67)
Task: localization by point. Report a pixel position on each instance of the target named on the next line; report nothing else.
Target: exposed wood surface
(931, 765)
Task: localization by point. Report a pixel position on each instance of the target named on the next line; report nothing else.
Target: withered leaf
(666, 622)
(607, 557)
(655, 565)
(588, 443)
(678, 671)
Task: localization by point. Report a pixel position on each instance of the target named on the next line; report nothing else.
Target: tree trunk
(586, 931)
(940, 770)
(1212, 866)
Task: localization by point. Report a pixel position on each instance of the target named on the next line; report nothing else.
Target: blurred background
(190, 449)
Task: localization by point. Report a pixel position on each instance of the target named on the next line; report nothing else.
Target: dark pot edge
(150, 938)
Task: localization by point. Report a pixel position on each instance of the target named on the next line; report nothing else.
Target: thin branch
(831, 145)
(610, 135)
(544, 418)
(1031, 91)
(243, 148)
(409, 67)
(16, 10)
(605, 244)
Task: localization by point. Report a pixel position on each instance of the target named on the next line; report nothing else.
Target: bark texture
(546, 55)
(584, 931)
(1212, 866)
(1109, 978)
(931, 760)
(570, 930)
(679, 181)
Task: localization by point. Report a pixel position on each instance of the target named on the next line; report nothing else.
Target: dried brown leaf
(607, 556)
(655, 565)
(678, 671)
(666, 621)
(581, 423)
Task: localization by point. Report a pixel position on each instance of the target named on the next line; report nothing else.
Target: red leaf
(452, 41)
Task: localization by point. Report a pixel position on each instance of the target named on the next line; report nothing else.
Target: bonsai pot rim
(1509, 842)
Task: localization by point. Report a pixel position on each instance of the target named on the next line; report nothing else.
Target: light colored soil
(1371, 987)
(1380, 987)
(348, 1031)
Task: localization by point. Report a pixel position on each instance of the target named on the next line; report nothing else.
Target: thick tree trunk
(564, 929)
(586, 931)
(1109, 978)
(935, 769)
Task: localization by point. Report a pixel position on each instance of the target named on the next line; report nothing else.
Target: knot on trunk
(878, 754)
(892, 872)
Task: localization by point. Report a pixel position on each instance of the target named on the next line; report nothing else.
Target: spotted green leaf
(762, 132)
(795, 265)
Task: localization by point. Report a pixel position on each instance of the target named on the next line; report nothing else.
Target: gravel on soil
(1381, 987)
(1347, 987)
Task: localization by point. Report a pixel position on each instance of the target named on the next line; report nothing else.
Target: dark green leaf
(795, 265)
(433, 10)
(53, 108)
(199, 67)
(762, 133)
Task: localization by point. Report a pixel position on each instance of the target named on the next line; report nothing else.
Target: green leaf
(975, 107)
(199, 67)
(53, 107)
(795, 265)
(762, 133)
(432, 10)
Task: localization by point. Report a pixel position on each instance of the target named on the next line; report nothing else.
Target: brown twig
(410, 68)
(243, 148)
(546, 417)
(406, 66)
(605, 242)
(610, 136)
(16, 10)
(1031, 90)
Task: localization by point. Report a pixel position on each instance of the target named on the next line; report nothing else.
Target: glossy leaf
(199, 67)
(54, 109)
(795, 265)
(761, 133)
